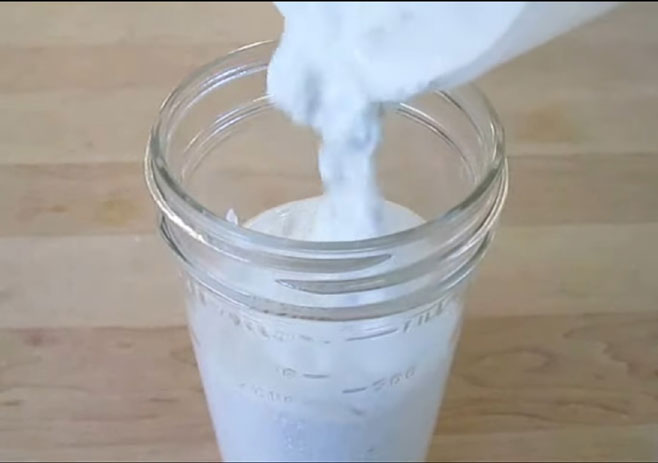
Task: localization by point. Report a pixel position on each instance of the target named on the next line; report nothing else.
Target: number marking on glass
(387, 382)
(265, 394)
(287, 372)
(423, 317)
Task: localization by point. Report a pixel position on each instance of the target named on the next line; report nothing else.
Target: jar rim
(202, 224)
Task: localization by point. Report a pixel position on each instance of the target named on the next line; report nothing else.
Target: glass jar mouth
(183, 210)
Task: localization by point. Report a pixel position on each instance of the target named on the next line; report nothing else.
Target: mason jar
(321, 351)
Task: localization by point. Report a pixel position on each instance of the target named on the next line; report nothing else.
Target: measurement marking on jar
(383, 383)
(354, 390)
(373, 335)
(423, 317)
(265, 394)
(287, 372)
(313, 376)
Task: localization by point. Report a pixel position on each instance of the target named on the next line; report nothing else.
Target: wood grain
(605, 443)
(568, 270)
(558, 356)
(530, 373)
(82, 24)
(125, 280)
(111, 198)
(74, 199)
(101, 394)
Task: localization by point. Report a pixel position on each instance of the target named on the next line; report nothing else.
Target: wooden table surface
(559, 357)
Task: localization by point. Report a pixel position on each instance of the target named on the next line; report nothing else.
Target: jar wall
(303, 390)
(321, 351)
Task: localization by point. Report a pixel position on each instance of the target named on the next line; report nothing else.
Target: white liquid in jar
(303, 220)
(302, 390)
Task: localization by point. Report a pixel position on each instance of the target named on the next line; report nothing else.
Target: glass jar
(321, 351)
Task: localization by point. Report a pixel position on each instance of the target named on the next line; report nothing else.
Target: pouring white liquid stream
(337, 64)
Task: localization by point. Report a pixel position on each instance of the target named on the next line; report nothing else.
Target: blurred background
(558, 359)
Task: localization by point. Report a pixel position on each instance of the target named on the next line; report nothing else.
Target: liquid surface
(303, 220)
